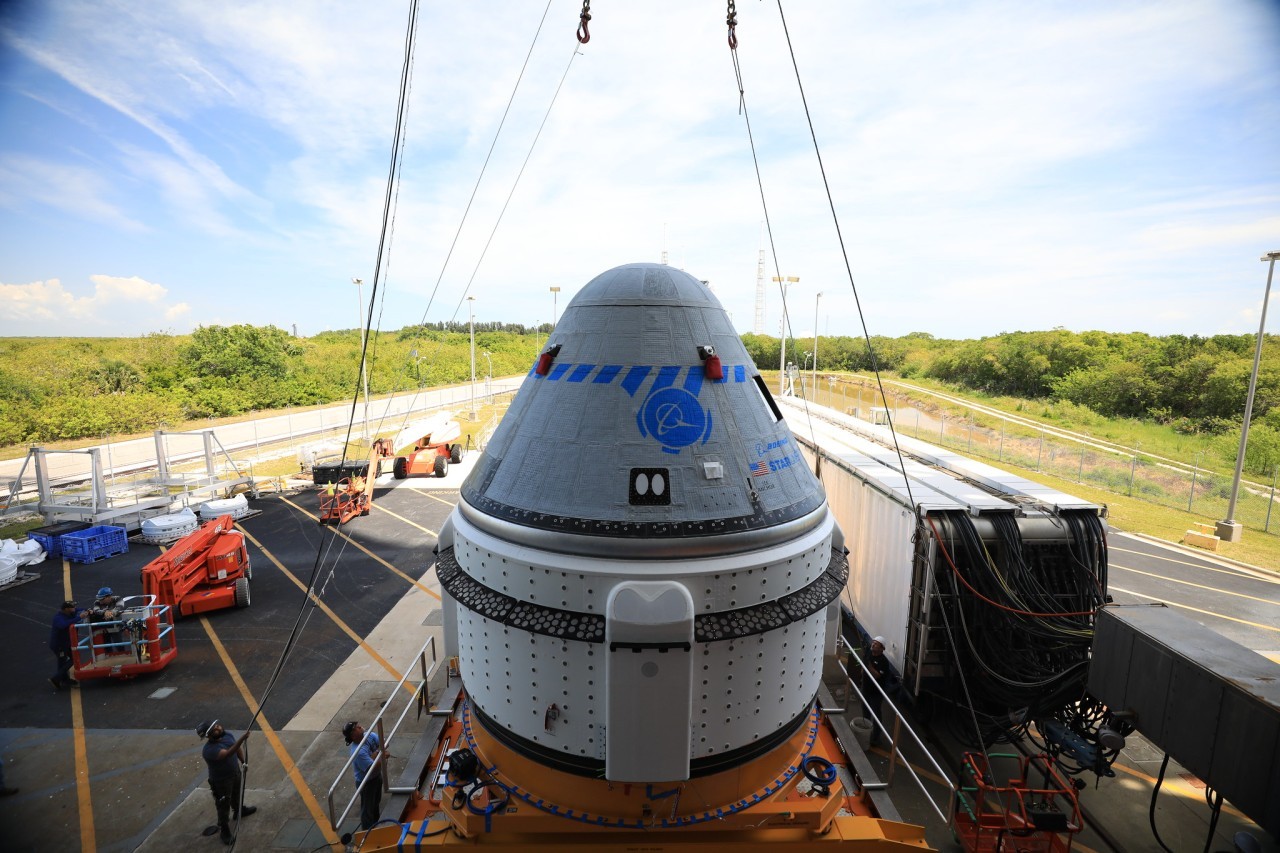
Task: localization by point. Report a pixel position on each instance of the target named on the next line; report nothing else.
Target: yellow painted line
(428, 590)
(1175, 785)
(337, 620)
(399, 517)
(1197, 585)
(1196, 609)
(84, 798)
(290, 768)
(430, 493)
(1235, 573)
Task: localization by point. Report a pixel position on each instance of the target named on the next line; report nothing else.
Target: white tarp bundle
(236, 507)
(14, 555)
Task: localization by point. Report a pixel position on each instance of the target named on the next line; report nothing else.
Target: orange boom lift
(208, 569)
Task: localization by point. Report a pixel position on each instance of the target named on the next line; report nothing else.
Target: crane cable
(326, 547)
(475, 189)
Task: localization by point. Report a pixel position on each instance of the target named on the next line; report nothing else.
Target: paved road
(291, 427)
(1242, 604)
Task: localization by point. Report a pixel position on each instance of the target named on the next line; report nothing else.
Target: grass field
(1131, 514)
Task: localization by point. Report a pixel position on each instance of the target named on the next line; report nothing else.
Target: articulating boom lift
(207, 569)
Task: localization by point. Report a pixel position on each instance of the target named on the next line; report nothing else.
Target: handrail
(421, 660)
(85, 644)
(893, 738)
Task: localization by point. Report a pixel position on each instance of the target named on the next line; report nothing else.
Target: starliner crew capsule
(642, 574)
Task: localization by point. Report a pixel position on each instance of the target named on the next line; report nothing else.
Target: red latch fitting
(544, 360)
(711, 367)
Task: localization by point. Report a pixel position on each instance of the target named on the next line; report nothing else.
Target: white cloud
(48, 308)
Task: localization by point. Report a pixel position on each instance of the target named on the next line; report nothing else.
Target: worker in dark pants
(224, 754)
(367, 765)
(882, 673)
(60, 643)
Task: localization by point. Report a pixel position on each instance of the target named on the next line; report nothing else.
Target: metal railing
(110, 639)
(415, 700)
(899, 725)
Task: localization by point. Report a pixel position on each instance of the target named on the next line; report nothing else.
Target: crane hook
(584, 32)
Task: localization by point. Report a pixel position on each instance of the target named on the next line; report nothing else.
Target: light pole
(471, 321)
(488, 382)
(1229, 529)
(417, 372)
(782, 357)
(364, 373)
(817, 299)
(555, 291)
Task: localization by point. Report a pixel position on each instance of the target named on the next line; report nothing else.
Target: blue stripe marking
(558, 371)
(739, 373)
(666, 377)
(635, 378)
(693, 381)
(607, 374)
(581, 372)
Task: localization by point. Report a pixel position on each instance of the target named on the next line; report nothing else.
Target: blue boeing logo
(675, 418)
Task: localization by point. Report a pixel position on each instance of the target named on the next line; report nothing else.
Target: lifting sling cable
(324, 547)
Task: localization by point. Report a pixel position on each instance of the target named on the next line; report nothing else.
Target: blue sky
(995, 166)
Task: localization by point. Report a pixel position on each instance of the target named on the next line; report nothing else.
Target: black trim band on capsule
(580, 765)
(660, 648)
(589, 627)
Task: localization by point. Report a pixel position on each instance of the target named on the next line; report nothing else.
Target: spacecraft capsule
(641, 576)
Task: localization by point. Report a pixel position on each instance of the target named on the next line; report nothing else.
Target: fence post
(111, 468)
(1000, 451)
(917, 423)
(942, 425)
(969, 449)
(1195, 472)
(1266, 528)
(1132, 467)
(1080, 473)
(1039, 452)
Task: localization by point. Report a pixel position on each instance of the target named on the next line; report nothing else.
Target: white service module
(641, 577)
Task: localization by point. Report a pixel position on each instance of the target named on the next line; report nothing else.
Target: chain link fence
(1180, 485)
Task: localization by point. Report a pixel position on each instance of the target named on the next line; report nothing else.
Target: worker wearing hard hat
(106, 608)
(225, 756)
(882, 673)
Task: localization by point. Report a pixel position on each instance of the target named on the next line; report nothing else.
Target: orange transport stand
(799, 797)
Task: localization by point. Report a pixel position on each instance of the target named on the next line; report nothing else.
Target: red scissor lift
(1035, 812)
(140, 641)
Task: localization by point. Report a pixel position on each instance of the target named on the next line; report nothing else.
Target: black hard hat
(205, 727)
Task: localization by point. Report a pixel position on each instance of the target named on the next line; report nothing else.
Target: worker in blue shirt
(60, 643)
(368, 752)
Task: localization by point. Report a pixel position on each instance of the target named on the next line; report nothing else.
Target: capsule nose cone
(644, 417)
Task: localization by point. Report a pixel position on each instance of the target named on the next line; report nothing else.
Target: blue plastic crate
(96, 543)
(50, 536)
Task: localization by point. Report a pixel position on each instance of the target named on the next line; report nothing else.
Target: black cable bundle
(1021, 617)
